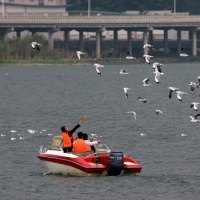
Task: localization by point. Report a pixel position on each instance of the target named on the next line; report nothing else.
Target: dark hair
(85, 136)
(80, 135)
(63, 128)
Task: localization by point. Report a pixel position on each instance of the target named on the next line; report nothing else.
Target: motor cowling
(116, 163)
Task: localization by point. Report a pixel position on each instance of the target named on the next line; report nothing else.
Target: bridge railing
(61, 18)
(64, 16)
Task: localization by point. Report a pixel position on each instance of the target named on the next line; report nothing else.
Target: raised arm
(82, 120)
(77, 126)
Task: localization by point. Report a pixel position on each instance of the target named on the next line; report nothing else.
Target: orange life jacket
(79, 146)
(72, 138)
(88, 148)
(66, 140)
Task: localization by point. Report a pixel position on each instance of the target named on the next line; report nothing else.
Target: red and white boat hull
(101, 163)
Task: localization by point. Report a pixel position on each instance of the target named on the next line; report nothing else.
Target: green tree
(191, 6)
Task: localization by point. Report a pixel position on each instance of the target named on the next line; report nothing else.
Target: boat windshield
(101, 148)
(56, 143)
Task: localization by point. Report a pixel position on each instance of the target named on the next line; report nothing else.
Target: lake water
(37, 100)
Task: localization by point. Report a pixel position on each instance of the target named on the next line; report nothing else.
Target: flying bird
(179, 94)
(183, 54)
(36, 45)
(97, 66)
(198, 77)
(194, 118)
(171, 89)
(193, 85)
(142, 100)
(158, 111)
(2, 135)
(146, 82)
(194, 105)
(126, 91)
(134, 113)
(157, 75)
(147, 46)
(79, 54)
(147, 58)
(157, 65)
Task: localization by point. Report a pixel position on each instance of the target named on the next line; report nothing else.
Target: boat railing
(92, 154)
(42, 150)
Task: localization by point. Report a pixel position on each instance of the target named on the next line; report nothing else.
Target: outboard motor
(116, 163)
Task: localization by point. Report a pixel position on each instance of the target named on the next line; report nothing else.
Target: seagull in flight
(179, 94)
(157, 65)
(126, 91)
(79, 54)
(157, 75)
(171, 89)
(198, 77)
(194, 118)
(193, 85)
(36, 45)
(142, 100)
(158, 111)
(146, 82)
(134, 113)
(147, 46)
(97, 66)
(147, 58)
(194, 105)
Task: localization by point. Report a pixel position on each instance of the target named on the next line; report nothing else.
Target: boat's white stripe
(129, 163)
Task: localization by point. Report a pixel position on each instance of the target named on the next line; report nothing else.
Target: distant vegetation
(191, 6)
(19, 49)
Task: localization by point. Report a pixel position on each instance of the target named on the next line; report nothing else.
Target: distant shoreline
(75, 62)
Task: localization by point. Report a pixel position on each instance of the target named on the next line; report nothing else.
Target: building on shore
(32, 6)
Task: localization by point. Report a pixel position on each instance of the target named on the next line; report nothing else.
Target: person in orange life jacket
(68, 136)
(80, 144)
(88, 148)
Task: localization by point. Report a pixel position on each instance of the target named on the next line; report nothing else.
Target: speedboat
(123, 71)
(102, 162)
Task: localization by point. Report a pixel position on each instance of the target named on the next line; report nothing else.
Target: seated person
(88, 148)
(79, 145)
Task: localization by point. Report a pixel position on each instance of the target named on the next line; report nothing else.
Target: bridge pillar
(50, 38)
(150, 36)
(129, 36)
(166, 47)
(98, 44)
(18, 34)
(66, 39)
(194, 43)
(81, 40)
(150, 39)
(50, 35)
(115, 37)
(178, 42)
(145, 40)
(3, 33)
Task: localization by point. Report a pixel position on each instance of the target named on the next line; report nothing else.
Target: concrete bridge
(52, 23)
